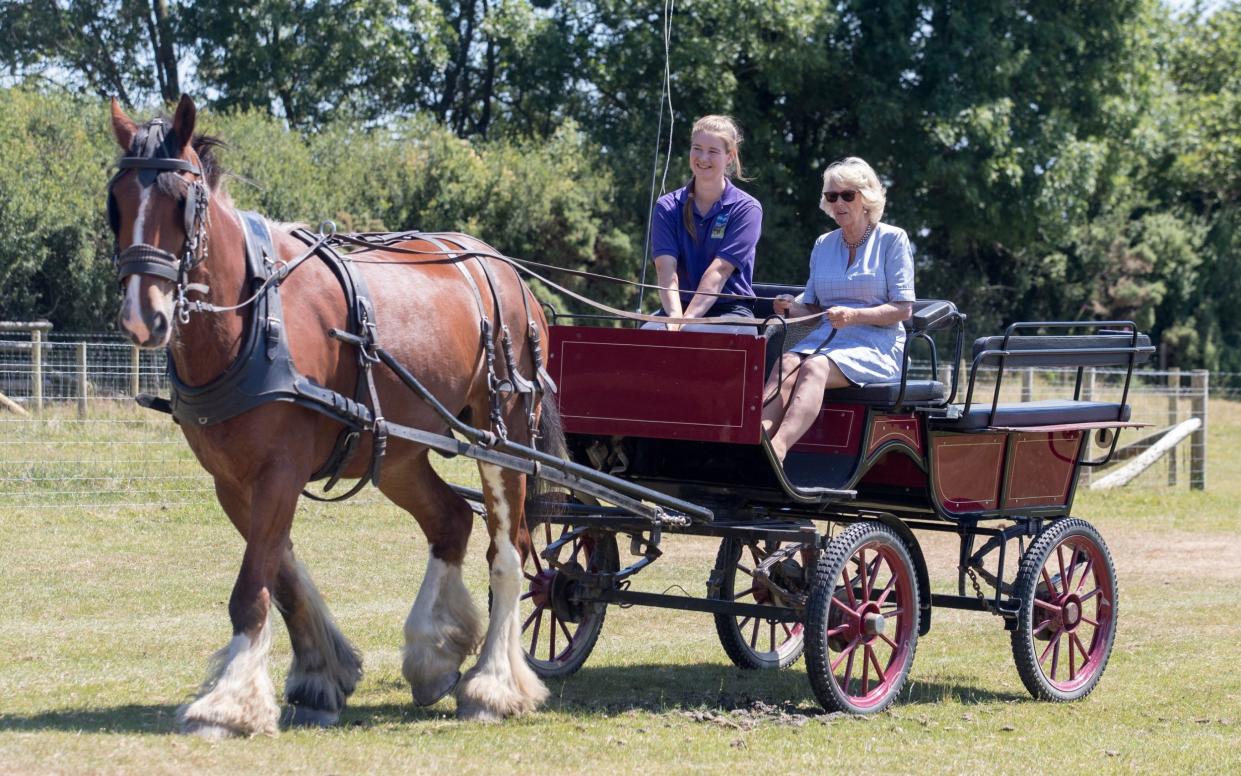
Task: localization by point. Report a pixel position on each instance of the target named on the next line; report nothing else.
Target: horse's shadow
(606, 691)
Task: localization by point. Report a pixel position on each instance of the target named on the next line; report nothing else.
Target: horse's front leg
(238, 697)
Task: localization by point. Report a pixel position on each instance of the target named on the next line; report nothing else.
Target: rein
(524, 265)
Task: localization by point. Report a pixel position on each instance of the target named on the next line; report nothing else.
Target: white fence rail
(83, 442)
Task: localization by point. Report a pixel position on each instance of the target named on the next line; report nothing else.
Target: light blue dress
(882, 271)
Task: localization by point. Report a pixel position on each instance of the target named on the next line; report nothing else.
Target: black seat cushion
(1049, 412)
(916, 392)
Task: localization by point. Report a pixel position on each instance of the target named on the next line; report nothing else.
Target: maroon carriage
(820, 555)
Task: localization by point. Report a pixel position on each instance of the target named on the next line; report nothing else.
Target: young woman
(862, 274)
(703, 236)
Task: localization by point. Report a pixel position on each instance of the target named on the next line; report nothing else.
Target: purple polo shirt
(729, 231)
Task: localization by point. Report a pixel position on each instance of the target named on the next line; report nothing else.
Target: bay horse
(178, 234)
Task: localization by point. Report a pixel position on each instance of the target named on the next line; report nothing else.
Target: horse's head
(157, 208)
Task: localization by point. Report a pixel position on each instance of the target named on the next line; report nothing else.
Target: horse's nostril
(159, 326)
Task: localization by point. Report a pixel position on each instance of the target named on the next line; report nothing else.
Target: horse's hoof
(208, 731)
(305, 716)
(432, 695)
(472, 712)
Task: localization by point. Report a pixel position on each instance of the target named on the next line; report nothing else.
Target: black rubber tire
(741, 650)
(828, 601)
(1034, 620)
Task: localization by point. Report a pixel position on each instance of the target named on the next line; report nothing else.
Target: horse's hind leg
(501, 683)
(443, 625)
(325, 667)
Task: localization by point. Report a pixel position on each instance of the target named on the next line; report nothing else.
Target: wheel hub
(1071, 613)
(873, 624)
(541, 587)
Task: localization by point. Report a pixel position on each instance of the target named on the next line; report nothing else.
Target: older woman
(862, 276)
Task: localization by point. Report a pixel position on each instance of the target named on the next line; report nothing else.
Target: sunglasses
(832, 196)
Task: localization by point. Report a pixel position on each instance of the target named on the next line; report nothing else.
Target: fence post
(82, 380)
(1088, 395)
(1198, 440)
(1174, 395)
(134, 375)
(1027, 384)
(36, 367)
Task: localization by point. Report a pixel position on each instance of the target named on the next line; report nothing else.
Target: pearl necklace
(858, 244)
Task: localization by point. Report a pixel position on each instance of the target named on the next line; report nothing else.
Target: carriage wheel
(1067, 621)
(862, 620)
(557, 635)
(757, 642)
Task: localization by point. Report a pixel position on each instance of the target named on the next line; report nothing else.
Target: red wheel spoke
(787, 630)
(1087, 596)
(862, 573)
(1080, 646)
(568, 637)
(1051, 588)
(1040, 627)
(1085, 573)
(754, 636)
(530, 619)
(888, 641)
(865, 667)
(751, 591)
(1055, 655)
(870, 651)
(839, 629)
(1060, 563)
(849, 590)
(846, 652)
(772, 634)
(897, 612)
(551, 638)
(534, 637)
(1040, 603)
(1055, 639)
(744, 570)
(883, 597)
(1090, 621)
(1072, 660)
(525, 595)
(848, 678)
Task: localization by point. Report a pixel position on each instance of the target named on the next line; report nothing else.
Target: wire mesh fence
(72, 435)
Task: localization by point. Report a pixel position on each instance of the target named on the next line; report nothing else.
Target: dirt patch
(760, 713)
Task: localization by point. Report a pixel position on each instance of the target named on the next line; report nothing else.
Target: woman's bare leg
(817, 374)
(786, 374)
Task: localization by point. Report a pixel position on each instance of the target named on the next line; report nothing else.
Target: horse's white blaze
(144, 202)
(502, 683)
(441, 629)
(131, 310)
(238, 697)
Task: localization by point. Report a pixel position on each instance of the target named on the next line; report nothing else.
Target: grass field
(109, 613)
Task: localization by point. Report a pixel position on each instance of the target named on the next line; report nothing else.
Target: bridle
(153, 159)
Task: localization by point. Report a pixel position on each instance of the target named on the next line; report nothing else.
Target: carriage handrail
(1004, 354)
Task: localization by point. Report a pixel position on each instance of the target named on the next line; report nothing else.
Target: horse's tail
(541, 496)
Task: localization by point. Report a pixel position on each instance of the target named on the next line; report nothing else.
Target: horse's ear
(183, 121)
(123, 126)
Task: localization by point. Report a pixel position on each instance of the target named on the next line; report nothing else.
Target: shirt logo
(717, 229)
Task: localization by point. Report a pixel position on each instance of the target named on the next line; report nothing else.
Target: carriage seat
(1047, 412)
(916, 392)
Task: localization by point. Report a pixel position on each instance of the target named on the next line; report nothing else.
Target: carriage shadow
(659, 688)
(607, 691)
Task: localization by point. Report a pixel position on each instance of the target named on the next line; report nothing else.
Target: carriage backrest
(1064, 350)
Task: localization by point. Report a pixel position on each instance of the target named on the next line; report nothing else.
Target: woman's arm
(884, 314)
(669, 288)
(712, 281)
(788, 306)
